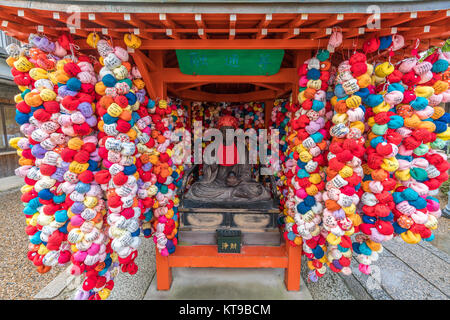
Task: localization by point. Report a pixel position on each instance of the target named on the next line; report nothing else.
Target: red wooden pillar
(268, 106)
(159, 80)
(188, 104)
(292, 272)
(163, 272)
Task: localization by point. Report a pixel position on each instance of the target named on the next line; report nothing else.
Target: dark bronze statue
(225, 182)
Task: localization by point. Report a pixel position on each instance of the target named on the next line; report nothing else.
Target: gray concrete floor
(227, 284)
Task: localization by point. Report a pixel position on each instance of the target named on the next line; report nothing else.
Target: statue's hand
(232, 181)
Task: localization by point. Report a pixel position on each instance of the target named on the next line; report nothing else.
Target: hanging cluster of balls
(249, 115)
(59, 159)
(308, 142)
(279, 120)
(167, 127)
(422, 169)
(97, 158)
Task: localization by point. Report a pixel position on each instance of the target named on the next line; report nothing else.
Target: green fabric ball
(323, 55)
(379, 129)
(421, 150)
(419, 174)
(163, 189)
(438, 144)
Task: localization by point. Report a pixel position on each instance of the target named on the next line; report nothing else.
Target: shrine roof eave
(232, 6)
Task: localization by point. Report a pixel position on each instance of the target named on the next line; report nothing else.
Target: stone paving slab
(227, 284)
(134, 287)
(427, 265)
(439, 253)
(11, 183)
(394, 279)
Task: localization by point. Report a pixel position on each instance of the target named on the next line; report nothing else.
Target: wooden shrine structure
(298, 28)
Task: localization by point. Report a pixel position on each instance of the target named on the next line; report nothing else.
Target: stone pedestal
(256, 220)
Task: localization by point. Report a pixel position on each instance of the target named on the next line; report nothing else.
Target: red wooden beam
(138, 59)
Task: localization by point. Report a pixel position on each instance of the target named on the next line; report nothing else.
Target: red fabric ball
(86, 176)
(102, 176)
(120, 179)
(81, 156)
(358, 69)
(123, 126)
(47, 170)
(67, 154)
(51, 106)
(72, 69)
(23, 107)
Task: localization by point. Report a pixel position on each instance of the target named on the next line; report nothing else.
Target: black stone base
(260, 205)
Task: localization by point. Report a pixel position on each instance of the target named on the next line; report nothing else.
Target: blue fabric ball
(317, 105)
(369, 219)
(36, 238)
(397, 196)
(445, 118)
(419, 103)
(93, 165)
(395, 122)
(363, 93)
(73, 84)
(410, 194)
(108, 119)
(374, 142)
(355, 246)
(364, 249)
(374, 99)
(59, 199)
(109, 80)
(339, 91)
(385, 42)
(21, 118)
(309, 201)
(313, 74)
(131, 98)
(440, 66)
(419, 203)
(317, 137)
(396, 86)
(45, 194)
(302, 208)
(398, 229)
(61, 216)
(318, 252)
(301, 173)
(82, 187)
(129, 170)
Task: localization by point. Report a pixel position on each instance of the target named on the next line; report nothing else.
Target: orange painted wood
(145, 74)
(268, 106)
(292, 273)
(163, 272)
(250, 257)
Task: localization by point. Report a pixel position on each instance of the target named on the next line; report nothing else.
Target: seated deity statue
(228, 180)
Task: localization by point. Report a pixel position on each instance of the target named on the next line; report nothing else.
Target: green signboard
(230, 62)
